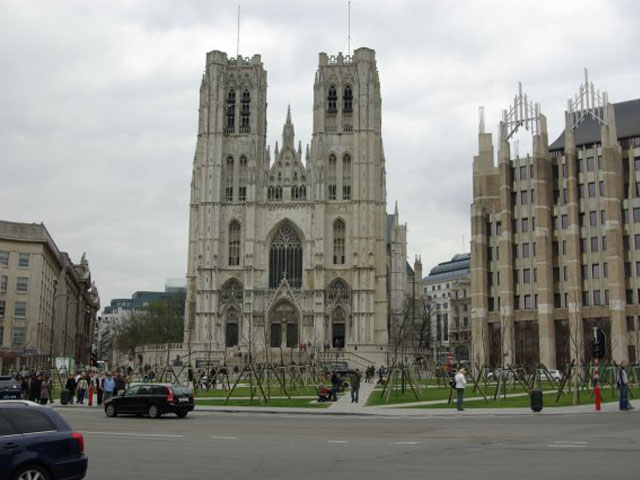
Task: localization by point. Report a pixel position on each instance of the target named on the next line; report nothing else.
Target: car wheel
(32, 472)
(154, 411)
(110, 410)
(181, 414)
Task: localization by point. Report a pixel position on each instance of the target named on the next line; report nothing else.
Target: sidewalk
(344, 407)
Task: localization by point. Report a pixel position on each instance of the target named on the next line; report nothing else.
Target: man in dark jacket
(34, 388)
(71, 386)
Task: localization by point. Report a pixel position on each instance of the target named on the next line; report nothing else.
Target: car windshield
(180, 390)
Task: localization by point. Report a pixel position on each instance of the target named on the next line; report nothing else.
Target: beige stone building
(556, 235)
(291, 248)
(48, 304)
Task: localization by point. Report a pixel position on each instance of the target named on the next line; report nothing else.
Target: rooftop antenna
(349, 28)
(238, 42)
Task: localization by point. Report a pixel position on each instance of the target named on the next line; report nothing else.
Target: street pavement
(210, 444)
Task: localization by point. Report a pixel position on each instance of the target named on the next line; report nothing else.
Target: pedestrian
(98, 382)
(109, 387)
(121, 384)
(623, 386)
(83, 385)
(355, 386)
(71, 386)
(46, 388)
(460, 383)
(24, 388)
(34, 388)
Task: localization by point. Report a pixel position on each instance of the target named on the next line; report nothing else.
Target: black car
(37, 444)
(153, 399)
(9, 388)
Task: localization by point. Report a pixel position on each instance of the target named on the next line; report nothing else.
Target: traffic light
(599, 343)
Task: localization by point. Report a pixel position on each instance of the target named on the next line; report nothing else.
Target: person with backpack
(623, 386)
(459, 383)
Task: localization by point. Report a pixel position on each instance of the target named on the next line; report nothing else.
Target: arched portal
(284, 321)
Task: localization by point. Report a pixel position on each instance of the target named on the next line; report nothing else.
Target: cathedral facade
(290, 251)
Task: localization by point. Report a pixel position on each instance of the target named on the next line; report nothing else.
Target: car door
(127, 402)
(11, 444)
(141, 400)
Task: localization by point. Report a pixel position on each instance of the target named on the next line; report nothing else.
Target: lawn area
(565, 400)
(276, 402)
(430, 394)
(245, 391)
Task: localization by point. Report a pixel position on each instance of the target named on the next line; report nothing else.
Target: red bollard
(90, 393)
(597, 382)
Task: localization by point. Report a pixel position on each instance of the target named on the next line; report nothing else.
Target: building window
(593, 218)
(525, 250)
(630, 324)
(595, 270)
(245, 111)
(4, 280)
(23, 260)
(498, 228)
(348, 99)
(285, 258)
(228, 180)
(525, 225)
(594, 244)
(18, 335)
(524, 197)
(523, 172)
(20, 310)
(231, 111)
(3, 306)
(565, 221)
(4, 258)
(526, 276)
(22, 284)
(234, 243)
(346, 177)
(332, 100)
(527, 301)
(338, 242)
(636, 241)
(331, 177)
(597, 301)
(592, 189)
(585, 298)
(604, 244)
(605, 270)
(242, 180)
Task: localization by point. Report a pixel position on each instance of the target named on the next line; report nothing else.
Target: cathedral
(292, 250)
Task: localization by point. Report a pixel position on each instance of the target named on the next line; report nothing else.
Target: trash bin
(65, 395)
(536, 400)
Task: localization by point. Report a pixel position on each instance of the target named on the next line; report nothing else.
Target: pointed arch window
(292, 335)
(338, 242)
(346, 177)
(285, 258)
(245, 111)
(228, 180)
(347, 99)
(331, 177)
(234, 243)
(332, 100)
(242, 180)
(231, 111)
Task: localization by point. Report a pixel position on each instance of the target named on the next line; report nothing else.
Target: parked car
(508, 374)
(9, 388)
(556, 376)
(153, 399)
(37, 444)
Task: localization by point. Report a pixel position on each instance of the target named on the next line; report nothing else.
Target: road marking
(565, 445)
(338, 441)
(571, 442)
(224, 438)
(161, 435)
(403, 443)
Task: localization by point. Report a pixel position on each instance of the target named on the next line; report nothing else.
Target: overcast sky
(98, 105)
